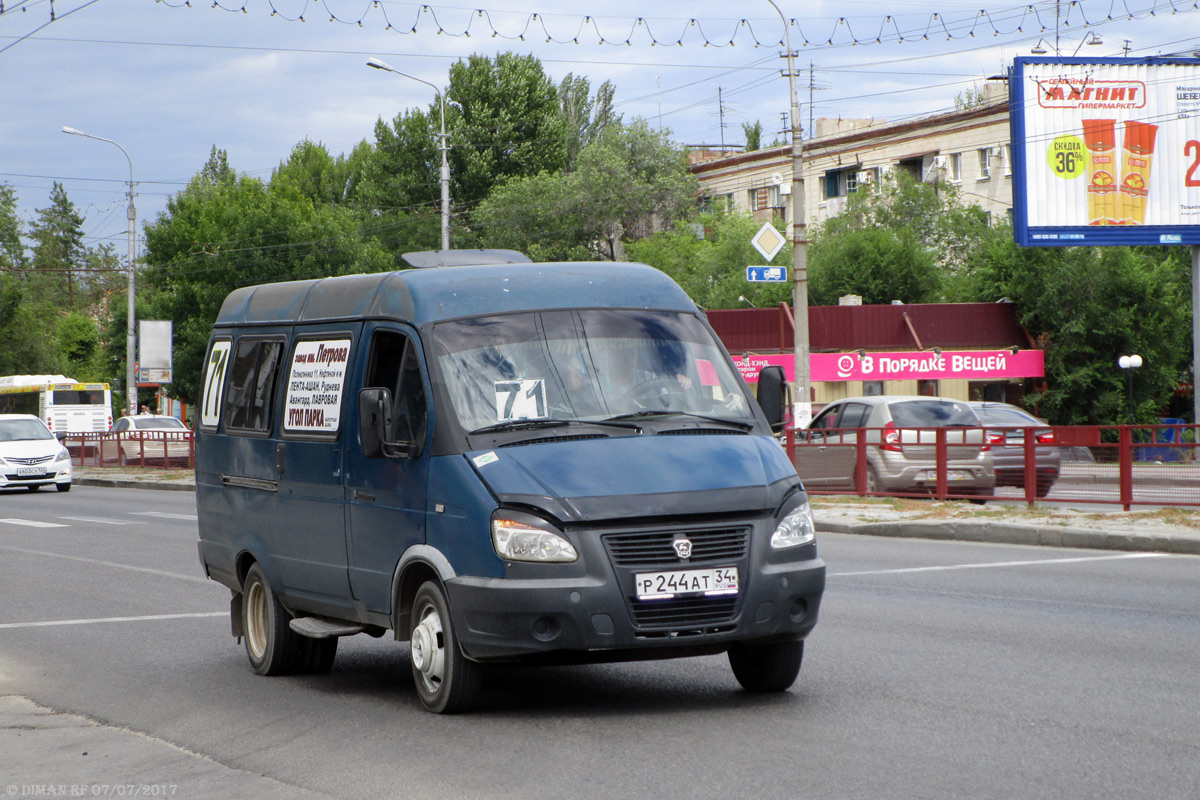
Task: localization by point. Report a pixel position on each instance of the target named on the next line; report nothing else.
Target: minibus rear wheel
(446, 681)
(271, 645)
(766, 667)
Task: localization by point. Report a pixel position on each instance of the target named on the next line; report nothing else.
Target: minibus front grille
(685, 613)
(656, 547)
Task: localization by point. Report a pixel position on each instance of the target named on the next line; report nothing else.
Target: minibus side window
(394, 366)
(252, 384)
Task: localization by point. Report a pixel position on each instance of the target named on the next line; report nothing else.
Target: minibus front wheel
(766, 667)
(446, 681)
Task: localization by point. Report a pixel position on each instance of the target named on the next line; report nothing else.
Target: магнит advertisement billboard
(1105, 151)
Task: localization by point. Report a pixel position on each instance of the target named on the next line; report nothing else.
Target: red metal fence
(153, 448)
(1124, 465)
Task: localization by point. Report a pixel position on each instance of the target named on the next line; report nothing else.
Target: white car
(31, 456)
(146, 439)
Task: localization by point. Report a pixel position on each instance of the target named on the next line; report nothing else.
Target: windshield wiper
(528, 424)
(746, 426)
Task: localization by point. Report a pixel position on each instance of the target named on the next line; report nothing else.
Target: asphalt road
(938, 670)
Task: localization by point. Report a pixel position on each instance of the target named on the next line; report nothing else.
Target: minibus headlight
(796, 528)
(524, 537)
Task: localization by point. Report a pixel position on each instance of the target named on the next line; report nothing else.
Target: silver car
(1006, 426)
(901, 454)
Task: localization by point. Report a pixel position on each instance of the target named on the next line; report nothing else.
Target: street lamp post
(803, 402)
(131, 396)
(1129, 364)
(443, 146)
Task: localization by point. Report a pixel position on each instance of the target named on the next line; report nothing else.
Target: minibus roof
(421, 296)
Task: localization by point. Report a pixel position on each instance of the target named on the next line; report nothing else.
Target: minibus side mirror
(773, 392)
(374, 423)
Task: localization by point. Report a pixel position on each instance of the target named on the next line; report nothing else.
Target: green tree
(630, 180)
(12, 251)
(393, 184)
(879, 264)
(313, 172)
(585, 117)
(59, 254)
(506, 124)
(79, 348)
(939, 221)
(753, 131)
(708, 255)
(225, 231)
(1087, 306)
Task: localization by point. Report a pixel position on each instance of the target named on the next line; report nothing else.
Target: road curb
(127, 483)
(1008, 533)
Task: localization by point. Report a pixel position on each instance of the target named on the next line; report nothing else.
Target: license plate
(951, 475)
(659, 585)
(29, 472)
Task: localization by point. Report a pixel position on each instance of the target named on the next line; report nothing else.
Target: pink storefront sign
(977, 364)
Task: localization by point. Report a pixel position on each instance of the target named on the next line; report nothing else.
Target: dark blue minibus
(499, 462)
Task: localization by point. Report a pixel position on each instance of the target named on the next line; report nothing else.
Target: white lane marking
(1037, 562)
(101, 521)
(99, 563)
(164, 515)
(151, 618)
(31, 523)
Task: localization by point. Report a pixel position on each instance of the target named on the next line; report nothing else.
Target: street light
(1129, 364)
(443, 146)
(799, 243)
(131, 397)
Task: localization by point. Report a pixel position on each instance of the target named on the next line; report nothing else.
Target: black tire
(34, 487)
(272, 646)
(766, 667)
(446, 681)
(316, 656)
(63, 487)
(873, 484)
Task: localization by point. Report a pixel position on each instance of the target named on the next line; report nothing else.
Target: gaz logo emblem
(683, 548)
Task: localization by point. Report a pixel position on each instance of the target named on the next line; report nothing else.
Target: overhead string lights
(406, 18)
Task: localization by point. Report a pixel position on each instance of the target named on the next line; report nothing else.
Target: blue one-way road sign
(766, 274)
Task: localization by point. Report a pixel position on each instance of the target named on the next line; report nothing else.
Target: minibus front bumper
(598, 617)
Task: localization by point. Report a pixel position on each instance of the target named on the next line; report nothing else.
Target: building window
(955, 167)
(717, 202)
(840, 182)
(927, 387)
(764, 197)
(872, 388)
(1008, 160)
(985, 167)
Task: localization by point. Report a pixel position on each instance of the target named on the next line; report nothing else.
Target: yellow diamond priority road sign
(768, 241)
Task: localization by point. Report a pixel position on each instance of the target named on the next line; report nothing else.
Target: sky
(168, 80)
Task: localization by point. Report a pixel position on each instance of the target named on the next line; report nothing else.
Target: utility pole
(131, 395)
(442, 145)
(802, 412)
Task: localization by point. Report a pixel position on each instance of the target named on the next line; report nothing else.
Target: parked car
(1006, 425)
(32, 456)
(902, 432)
(147, 438)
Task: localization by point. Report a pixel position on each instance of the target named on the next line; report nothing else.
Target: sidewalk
(1168, 530)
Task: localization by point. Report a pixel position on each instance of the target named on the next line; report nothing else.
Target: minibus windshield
(587, 366)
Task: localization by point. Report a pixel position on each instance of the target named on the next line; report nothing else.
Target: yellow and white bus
(64, 404)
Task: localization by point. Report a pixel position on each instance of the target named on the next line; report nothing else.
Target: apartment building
(969, 148)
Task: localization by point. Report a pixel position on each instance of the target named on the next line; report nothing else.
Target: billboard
(1105, 151)
(876, 366)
